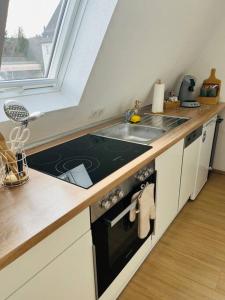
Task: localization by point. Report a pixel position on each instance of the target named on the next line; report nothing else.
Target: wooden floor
(189, 261)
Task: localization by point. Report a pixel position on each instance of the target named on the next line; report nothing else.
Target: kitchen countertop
(31, 212)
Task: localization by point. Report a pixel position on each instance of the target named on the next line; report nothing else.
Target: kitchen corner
(112, 166)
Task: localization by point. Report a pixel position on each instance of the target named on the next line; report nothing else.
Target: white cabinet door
(20, 271)
(69, 276)
(168, 166)
(204, 156)
(189, 170)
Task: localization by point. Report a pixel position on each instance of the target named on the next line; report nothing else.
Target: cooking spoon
(11, 159)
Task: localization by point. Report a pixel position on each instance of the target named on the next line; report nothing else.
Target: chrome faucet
(130, 112)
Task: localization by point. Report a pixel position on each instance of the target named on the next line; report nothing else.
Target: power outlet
(97, 113)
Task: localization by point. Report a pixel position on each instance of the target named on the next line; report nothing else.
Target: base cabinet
(204, 156)
(168, 167)
(69, 276)
(189, 170)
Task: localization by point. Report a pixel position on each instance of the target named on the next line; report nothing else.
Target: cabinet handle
(204, 136)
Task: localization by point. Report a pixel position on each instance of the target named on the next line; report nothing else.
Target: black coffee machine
(185, 91)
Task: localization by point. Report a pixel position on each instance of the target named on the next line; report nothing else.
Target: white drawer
(23, 268)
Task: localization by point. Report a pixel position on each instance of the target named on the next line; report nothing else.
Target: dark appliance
(86, 160)
(185, 91)
(115, 238)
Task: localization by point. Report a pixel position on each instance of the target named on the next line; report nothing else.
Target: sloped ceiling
(146, 40)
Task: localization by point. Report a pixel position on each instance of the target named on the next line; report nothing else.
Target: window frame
(3, 18)
(71, 16)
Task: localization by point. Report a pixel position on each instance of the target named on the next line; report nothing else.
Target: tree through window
(30, 34)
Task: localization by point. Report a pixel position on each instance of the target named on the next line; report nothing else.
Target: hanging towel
(133, 212)
(146, 210)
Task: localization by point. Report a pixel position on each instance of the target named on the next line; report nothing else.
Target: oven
(115, 237)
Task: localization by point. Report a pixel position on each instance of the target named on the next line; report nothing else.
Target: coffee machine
(185, 91)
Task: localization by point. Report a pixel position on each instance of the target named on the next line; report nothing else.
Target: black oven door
(116, 240)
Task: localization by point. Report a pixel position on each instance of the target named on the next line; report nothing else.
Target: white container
(158, 97)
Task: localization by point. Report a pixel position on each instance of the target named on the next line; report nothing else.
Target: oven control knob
(141, 177)
(151, 171)
(146, 173)
(106, 204)
(120, 194)
(114, 199)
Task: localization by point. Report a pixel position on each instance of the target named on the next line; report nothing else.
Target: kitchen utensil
(34, 116)
(13, 174)
(2, 168)
(8, 155)
(15, 111)
(10, 162)
(210, 91)
(18, 137)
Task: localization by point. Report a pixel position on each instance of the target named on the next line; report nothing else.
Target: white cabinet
(168, 167)
(189, 168)
(69, 276)
(204, 156)
(58, 267)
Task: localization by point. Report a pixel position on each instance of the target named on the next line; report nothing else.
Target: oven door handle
(122, 214)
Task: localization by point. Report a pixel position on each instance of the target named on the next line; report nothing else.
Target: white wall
(213, 55)
(146, 40)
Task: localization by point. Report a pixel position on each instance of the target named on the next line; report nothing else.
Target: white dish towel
(145, 209)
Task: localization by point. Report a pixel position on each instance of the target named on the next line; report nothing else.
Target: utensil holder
(13, 168)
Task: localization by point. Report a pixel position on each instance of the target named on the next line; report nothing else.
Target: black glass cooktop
(85, 160)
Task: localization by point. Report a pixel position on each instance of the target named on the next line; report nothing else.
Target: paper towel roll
(158, 97)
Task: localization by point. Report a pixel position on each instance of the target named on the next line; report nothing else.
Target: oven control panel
(117, 194)
(112, 199)
(145, 173)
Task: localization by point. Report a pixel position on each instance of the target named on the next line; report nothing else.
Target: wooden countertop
(33, 211)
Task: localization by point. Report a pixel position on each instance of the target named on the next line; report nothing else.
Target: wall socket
(97, 113)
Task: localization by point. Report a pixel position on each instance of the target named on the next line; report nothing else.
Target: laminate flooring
(188, 263)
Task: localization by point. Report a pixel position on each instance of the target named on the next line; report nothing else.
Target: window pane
(29, 37)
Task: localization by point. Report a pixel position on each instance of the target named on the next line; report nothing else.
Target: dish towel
(146, 209)
(134, 211)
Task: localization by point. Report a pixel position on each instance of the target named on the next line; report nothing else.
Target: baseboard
(218, 171)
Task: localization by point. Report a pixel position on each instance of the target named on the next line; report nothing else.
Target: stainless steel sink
(149, 129)
(131, 133)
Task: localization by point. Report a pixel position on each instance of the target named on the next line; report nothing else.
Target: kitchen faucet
(133, 111)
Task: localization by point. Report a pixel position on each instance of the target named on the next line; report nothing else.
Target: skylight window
(35, 41)
(30, 36)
